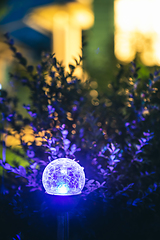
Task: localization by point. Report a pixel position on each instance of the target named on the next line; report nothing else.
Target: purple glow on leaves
(50, 109)
(30, 153)
(63, 176)
(73, 148)
(17, 237)
(64, 133)
(66, 143)
(32, 114)
(97, 50)
(81, 132)
(26, 106)
(74, 108)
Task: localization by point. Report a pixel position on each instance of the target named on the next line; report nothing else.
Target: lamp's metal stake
(66, 225)
(63, 226)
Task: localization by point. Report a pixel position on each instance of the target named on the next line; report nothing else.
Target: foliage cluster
(115, 136)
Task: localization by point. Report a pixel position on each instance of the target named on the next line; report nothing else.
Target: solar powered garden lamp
(63, 178)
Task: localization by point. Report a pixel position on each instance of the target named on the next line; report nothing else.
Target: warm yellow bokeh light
(81, 15)
(65, 22)
(93, 93)
(137, 29)
(27, 135)
(85, 1)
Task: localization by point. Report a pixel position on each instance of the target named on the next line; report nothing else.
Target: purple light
(63, 176)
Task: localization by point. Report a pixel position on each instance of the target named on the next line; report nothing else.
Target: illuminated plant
(115, 137)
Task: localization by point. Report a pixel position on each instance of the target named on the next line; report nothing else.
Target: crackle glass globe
(63, 176)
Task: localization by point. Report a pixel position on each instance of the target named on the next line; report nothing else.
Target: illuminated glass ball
(63, 176)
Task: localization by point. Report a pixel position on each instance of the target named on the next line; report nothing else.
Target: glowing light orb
(63, 176)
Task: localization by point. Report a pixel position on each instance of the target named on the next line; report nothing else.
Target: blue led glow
(62, 189)
(63, 176)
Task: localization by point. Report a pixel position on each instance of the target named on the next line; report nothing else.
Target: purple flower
(64, 134)
(66, 143)
(24, 80)
(73, 148)
(39, 68)
(26, 106)
(127, 124)
(74, 108)
(30, 153)
(32, 114)
(53, 150)
(50, 109)
(81, 132)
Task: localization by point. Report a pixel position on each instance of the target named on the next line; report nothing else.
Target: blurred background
(110, 32)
